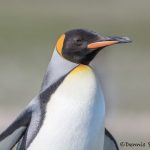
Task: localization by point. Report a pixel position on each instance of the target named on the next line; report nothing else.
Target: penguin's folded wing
(15, 131)
(109, 141)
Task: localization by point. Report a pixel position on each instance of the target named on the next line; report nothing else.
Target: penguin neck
(57, 68)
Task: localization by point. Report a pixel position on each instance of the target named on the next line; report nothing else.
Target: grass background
(29, 31)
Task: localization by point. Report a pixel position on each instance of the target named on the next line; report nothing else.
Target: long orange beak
(101, 44)
(107, 41)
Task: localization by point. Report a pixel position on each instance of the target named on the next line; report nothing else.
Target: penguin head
(81, 46)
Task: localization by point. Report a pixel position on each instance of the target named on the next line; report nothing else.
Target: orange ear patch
(60, 44)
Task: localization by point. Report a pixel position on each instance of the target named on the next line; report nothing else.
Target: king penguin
(69, 111)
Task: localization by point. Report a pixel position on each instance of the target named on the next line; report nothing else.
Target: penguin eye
(78, 42)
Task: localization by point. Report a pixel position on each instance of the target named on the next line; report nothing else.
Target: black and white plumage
(69, 111)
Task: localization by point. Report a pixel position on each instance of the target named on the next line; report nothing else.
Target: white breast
(74, 117)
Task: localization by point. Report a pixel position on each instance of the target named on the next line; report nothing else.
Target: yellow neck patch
(60, 43)
(80, 68)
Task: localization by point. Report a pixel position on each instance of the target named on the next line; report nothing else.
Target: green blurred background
(28, 33)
